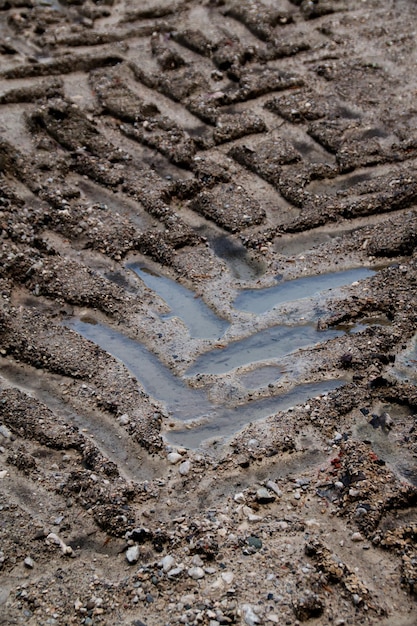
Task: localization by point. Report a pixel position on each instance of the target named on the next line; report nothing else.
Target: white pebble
(132, 554)
(228, 577)
(167, 563)
(356, 537)
(185, 468)
(196, 573)
(273, 487)
(52, 537)
(174, 458)
(249, 616)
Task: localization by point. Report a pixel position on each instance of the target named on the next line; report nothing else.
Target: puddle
(200, 320)
(227, 421)
(234, 254)
(271, 343)
(261, 376)
(262, 300)
(206, 420)
(157, 380)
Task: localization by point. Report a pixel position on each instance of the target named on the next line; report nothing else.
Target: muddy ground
(226, 145)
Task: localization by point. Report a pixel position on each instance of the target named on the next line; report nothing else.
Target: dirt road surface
(208, 312)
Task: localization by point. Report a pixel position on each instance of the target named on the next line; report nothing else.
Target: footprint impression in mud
(263, 351)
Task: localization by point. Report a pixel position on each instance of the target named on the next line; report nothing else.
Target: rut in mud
(208, 315)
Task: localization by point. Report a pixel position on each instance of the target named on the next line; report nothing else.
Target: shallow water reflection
(200, 320)
(262, 300)
(187, 404)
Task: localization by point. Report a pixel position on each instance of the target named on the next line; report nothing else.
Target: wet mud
(208, 284)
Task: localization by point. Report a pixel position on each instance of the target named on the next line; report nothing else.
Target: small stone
(249, 616)
(176, 571)
(254, 542)
(273, 487)
(29, 562)
(239, 497)
(3, 473)
(357, 537)
(264, 496)
(196, 573)
(250, 514)
(132, 554)
(52, 537)
(124, 419)
(174, 458)
(5, 432)
(167, 563)
(197, 561)
(228, 577)
(360, 511)
(185, 468)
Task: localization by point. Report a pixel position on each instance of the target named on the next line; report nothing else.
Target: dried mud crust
(222, 143)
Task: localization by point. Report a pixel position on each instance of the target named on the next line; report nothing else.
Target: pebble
(251, 515)
(29, 562)
(357, 537)
(3, 473)
(174, 458)
(132, 554)
(249, 616)
(52, 537)
(360, 511)
(167, 563)
(7, 434)
(239, 497)
(264, 496)
(273, 487)
(196, 573)
(124, 419)
(176, 571)
(185, 468)
(254, 542)
(228, 577)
